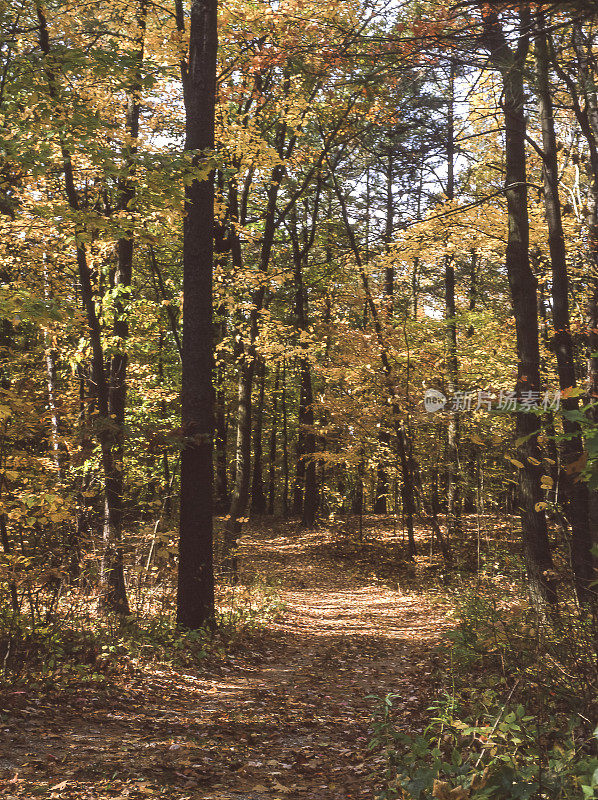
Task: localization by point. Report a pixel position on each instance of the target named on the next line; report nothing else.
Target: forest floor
(285, 713)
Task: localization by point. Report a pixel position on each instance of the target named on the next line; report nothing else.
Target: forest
(299, 399)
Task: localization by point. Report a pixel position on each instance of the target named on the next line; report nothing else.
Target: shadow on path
(285, 715)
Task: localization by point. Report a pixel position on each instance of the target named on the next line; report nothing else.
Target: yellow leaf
(541, 506)
(514, 461)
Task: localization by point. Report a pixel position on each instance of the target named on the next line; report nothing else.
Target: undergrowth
(516, 712)
(74, 642)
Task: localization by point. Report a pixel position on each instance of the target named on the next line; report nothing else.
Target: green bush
(506, 754)
(517, 716)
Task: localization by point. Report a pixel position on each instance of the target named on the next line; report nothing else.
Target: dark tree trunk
(240, 492)
(109, 432)
(112, 575)
(453, 516)
(522, 285)
(587, 117)
(247, 362)
(405, 458)
(195, 597)
(473, 288)
(407, 487)
(307, 448)
(575, 493)
(305, 502)
(382, 483)
(258, 497)
(285, 443)
(589, 127)
(221, 498)
(310, 493)
(299, 481)
(272, 448)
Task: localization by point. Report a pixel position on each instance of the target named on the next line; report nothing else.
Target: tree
(576, 496)
(510, 62)
(195, 594)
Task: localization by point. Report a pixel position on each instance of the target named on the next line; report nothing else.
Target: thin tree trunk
(258, 497)
(408, 494)
(53, 407)
(453, 516)
(306, 465)
(113, 590)
(473, 288)
(221, 498)
(587, 118)
(382, 483)
(272, 448)
(240, 493)
(112, 571)
(590, 129)
(285, 443)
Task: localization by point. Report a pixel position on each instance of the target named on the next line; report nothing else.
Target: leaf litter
(285, 713)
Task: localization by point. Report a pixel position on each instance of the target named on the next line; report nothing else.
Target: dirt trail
(285, 715)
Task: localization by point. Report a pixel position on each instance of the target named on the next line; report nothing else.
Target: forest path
(285, 714)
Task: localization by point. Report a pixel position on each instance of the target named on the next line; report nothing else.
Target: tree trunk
(285, 443)
(195, 595)
(258, 497)
(310, 493)
(382, 484)
(247, 362)
(453, 516)
(406, 460)
(240, 492)
(112, 575)
(272, 448)
(522, 283)
(112, 585)
(575, 493)
(306, 417)
(50, 357)
(221, 498)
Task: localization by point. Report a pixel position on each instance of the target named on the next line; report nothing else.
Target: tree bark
(406, 461)
(221, 498)
(453, 516)
(285, 443)
(272, 448)
(113, 595)
(258, 497)
(195, 593)
(306, 490)
(575, 493)
(522, 283)
(382, 483)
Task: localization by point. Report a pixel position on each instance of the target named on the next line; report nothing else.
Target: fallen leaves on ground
(284, 714)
